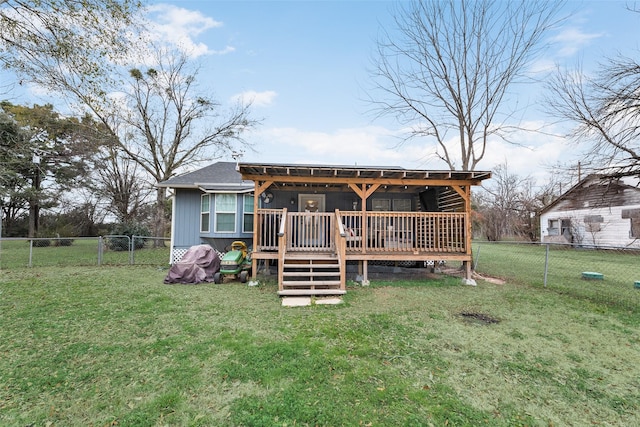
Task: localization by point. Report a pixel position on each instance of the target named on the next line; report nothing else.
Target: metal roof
(302, 173)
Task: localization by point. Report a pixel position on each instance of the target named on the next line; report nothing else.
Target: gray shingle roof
(216, 175)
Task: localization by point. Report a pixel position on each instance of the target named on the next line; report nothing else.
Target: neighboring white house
(598, 211)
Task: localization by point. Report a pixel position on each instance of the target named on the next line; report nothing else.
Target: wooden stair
(309, 274)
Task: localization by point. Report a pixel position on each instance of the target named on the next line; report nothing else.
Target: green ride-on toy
(236, 262)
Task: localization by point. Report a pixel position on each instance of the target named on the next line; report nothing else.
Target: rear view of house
(310, 220)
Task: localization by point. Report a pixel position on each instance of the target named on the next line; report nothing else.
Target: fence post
(30, 251)
(546, 264)
(100, 248)
(131, 247)
(475, 264)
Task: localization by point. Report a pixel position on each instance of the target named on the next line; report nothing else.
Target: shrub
(63, 242)
(41, 243)
(130, 230)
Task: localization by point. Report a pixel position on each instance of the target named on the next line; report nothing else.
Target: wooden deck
(312, 248)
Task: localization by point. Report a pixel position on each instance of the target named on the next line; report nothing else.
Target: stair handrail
(341, 229)
(282, 246)
(341, 249)
(283, 223)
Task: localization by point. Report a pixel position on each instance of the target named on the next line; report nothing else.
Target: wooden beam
(463, 192)
(259, 188)
(361, 180)
(356, 190)
(371, 190)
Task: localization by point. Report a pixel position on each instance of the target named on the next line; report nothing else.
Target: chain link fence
(603, 274)
(609, 275)
(81, 251)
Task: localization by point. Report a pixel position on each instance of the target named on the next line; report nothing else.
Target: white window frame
(234, 212)
(246, 213)
(203, 212)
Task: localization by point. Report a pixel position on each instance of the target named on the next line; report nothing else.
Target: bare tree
(119, 182)
(447, 70)
(504, 204)
(606, 112)
(509, 205)
(167, 124)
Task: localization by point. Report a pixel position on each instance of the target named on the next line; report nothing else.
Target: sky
(305, 65)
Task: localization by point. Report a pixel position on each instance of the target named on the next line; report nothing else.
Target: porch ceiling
(339, 177)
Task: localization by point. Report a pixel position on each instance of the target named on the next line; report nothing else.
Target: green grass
(524, 263)
(114, 346)
(82, 252)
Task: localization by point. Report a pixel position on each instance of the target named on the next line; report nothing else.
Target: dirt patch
(494, 280)
(478, 318)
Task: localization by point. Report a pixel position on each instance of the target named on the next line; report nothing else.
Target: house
(212, 205)
(311, 220)
(598, 211)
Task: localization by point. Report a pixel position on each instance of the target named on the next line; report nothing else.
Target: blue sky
(304, 63)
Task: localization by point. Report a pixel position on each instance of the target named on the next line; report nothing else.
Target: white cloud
(224, 51)
(572, 40)
(180, 27)
(533, 156)
(367, 146)
(257, 99)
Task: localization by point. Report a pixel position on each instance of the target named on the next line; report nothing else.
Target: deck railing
(405, 231)
(268, 226)
(375, 232)
(310, 232)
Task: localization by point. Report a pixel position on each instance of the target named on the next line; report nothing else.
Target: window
(554, 227)
(634, 216)
(205, 212)
(383, 205)
(565, 228)
(634, 232)
(402, 205)
(247, 214)
(592, 223)
(225, 213)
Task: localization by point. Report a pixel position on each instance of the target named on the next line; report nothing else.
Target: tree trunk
(159, 222)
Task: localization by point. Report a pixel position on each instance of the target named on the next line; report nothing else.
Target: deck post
(467, 269)
(365, 273)
(256, 197)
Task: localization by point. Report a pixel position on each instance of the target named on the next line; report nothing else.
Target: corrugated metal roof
(275, 170)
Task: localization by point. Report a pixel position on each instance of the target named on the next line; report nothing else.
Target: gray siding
(187, 218)
(187, 221)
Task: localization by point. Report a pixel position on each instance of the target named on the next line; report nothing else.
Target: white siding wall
(614, 230)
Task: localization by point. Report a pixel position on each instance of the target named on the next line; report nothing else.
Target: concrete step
(302, 292)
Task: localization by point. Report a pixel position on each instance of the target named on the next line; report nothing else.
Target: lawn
(83, 251)
(525, 264)
(107, 346)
